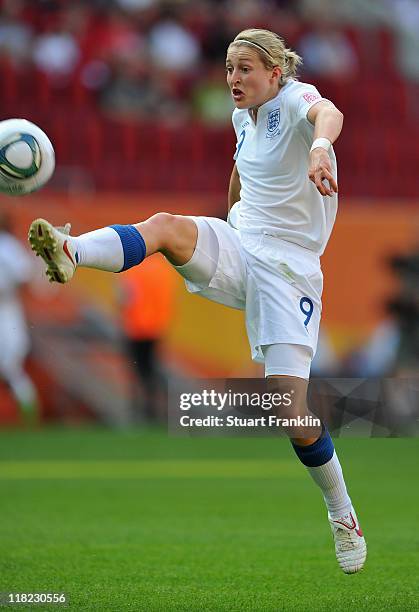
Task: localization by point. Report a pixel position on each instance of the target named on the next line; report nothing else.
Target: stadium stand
(95, 74)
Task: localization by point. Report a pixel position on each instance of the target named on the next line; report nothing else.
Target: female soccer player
(266, 258)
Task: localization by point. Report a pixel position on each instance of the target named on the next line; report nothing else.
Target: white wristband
(324, 143)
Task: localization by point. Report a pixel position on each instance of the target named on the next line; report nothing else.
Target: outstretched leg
(114, 248)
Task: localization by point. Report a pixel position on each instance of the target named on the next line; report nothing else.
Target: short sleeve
(236, 123)
(234, 120)
(301, 99)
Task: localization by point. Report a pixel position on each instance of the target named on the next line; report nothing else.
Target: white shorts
(278, 283)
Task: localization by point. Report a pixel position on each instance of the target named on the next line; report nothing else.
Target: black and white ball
(27, 158)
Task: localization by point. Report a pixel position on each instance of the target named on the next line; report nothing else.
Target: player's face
(250, 83)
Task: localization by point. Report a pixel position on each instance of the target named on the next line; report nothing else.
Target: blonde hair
(272, 51)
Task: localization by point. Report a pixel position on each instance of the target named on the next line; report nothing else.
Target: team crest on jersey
(273, 124)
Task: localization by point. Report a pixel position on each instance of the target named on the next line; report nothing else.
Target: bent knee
(174, 235)
(293, 392)
(161, 221)
(170, 225)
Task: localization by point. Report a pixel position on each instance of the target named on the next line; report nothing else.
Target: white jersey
(272, 159)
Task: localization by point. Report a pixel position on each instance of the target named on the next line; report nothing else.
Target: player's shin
(312, 444)
(324, 467)
(113, 249)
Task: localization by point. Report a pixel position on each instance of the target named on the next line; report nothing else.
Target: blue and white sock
(114, 249)
(323, 465)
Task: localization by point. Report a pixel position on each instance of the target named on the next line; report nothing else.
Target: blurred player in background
(266, 258)
(146, 296)
(16, 267)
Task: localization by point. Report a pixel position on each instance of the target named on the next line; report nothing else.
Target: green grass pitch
(142, 521)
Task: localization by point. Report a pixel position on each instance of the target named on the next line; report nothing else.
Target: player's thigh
(217, 269)
(283, 296)
(285, 359)
(287, 369)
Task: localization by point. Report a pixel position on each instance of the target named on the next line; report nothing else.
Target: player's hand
(320, 170)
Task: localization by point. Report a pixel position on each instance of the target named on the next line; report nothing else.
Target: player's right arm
(234, 188)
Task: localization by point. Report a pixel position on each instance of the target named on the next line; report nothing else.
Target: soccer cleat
(53, 245)
(350, 545)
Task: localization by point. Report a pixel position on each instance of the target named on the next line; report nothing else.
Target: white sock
(101, 249)
(329, 478)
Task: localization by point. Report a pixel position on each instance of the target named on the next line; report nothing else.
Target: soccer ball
(27, 158)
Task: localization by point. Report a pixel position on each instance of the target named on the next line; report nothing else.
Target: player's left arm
(327, 121)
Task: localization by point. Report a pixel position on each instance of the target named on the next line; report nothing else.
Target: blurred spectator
(147, 303)
(393, 348)
(405, 308)
(132, 93)
(328, 9)
(242, 13)
(56, 53)
(402, 18)
(129, 93)
(136, 5)
(327, 52)
(377, 357)
(15, 34)
(403, 390)
(110, 44)
(211, 99)
(325, 362)
(217, 36)
(172, 47)
(16, 267)
(120, 38)
(405, 20)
